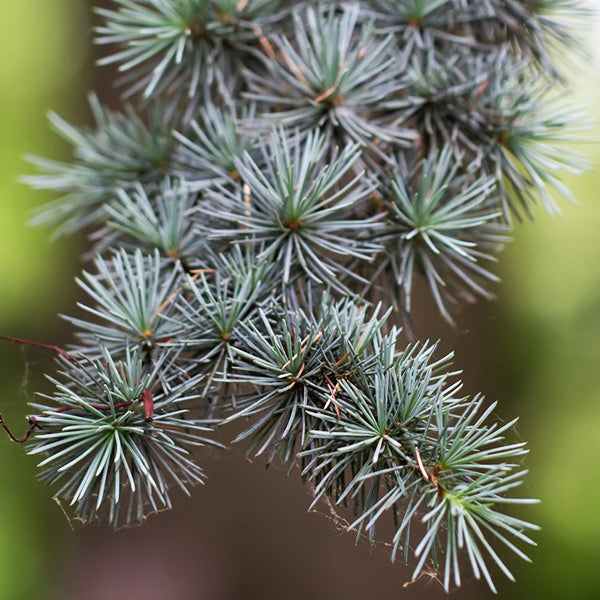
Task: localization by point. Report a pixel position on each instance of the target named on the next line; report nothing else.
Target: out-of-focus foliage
(551, 323)
(37, 69)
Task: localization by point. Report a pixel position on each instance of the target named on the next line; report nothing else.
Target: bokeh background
(247, 535)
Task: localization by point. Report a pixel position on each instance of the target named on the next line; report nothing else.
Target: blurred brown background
(246, 535)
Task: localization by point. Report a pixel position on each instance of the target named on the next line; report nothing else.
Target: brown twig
(264, 42)
(333, 389)
(32, 425)
(325, 94)
(420, 464)
(303, 346)
(56, 349)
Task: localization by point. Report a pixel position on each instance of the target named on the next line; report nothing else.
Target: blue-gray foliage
(282, 172)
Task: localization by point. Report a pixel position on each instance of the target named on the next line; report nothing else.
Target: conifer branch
(279, 165)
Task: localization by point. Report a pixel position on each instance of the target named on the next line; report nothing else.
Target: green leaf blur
(548, 354)
(40, 66)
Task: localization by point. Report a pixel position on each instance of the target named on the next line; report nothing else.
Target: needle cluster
(284, 170)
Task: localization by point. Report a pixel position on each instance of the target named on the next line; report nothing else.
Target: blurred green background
(536, 349)
(44, 61)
